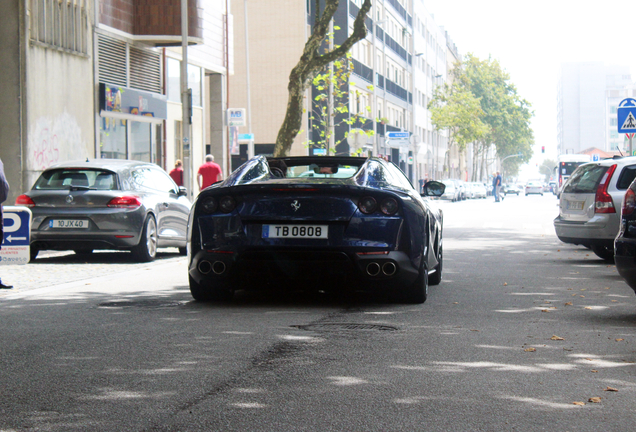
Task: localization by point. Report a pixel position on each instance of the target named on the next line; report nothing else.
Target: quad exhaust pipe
(389, 269)
(373, 269)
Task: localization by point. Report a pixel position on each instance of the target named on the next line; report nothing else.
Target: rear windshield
(315, 171)
(60, 179)
(585, 179)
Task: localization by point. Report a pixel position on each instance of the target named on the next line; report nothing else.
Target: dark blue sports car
(325, 222)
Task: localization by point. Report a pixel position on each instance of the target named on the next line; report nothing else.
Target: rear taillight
(24, 200)
(367, 205)
(603, 201)
(128, 201)
(629, 203)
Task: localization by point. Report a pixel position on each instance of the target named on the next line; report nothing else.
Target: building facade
(587, 97)
(92, 79)
(395, 71)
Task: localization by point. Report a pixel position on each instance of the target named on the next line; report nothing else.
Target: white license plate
(574, 205)
(68, 223)
(296, 231)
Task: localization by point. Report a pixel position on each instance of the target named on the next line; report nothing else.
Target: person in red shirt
(177, 173)
(209, 173)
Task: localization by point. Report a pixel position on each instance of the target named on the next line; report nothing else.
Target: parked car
(107, 204)
(451, 191)
(464, 192)
(625, 243)
(479, 190)
(534, 188)
(510, 190)
(371, 230)
(588, 203)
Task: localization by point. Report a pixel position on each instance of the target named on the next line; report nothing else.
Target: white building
(587, 97)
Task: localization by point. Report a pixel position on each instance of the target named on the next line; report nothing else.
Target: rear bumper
(598, 230)
(316, 269)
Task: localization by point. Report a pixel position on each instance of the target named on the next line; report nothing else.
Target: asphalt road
(522, 332)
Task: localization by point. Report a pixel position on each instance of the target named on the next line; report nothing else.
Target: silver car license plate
(574, 205)
(296, 231)
(68, 223)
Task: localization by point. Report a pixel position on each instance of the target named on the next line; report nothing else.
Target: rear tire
(417, 292)
(33, 253)
(146, 250)
(204, 293)
(436, 278)
(604, 252)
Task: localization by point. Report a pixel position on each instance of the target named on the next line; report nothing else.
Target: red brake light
(629, 203)
(24, 200)
(603, 201)
(124, 202)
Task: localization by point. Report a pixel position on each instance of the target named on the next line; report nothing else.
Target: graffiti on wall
(54, 139)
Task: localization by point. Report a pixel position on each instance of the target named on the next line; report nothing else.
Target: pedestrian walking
(4, 192)
(496, 186)
(209, 173)
(499, 186)
(177, 173)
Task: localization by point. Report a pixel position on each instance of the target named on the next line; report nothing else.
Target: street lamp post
(375, 98)
(185, 101)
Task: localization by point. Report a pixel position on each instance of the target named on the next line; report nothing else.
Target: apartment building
(395, 71)
(97, 79)
(587, 98)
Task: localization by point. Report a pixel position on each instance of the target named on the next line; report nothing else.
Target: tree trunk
(310, 63)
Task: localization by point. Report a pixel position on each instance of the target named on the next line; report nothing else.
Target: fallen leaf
(569, 289)
(606, 287)
(587, 307)
(578, 403)
(589, 359)
(530, 349)
(568, 304)
(619, 339)
(544, 310)
(610, 389)
(594, 371)
(455, 302)
(505, 284)
(582, 296)
(594, 400)
(583, 289)
(474, 330)
(555, 337)
(614, 301)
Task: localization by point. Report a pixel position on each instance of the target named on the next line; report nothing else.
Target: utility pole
(186, 101)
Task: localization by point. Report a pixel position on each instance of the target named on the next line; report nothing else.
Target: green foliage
(331, 105)
(503, 119)
(547, 168)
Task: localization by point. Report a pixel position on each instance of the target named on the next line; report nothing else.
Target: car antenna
(619, 150)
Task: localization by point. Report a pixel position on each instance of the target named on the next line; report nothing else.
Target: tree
(455, 108)
(506, 115)
(547, 168)
(330, 107)
(310, 63)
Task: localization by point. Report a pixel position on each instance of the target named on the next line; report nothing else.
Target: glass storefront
(113, 138)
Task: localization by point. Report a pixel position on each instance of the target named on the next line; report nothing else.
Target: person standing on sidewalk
(4, 192)
(209, 173)
(177, 173)
(499, 186)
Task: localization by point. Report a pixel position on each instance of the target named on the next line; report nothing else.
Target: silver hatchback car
(107, 204)
(590, 204)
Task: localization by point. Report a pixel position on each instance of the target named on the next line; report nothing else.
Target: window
(60, 24)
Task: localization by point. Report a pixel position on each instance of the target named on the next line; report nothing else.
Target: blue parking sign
(17, 234)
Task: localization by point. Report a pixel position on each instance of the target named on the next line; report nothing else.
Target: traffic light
(542, 149)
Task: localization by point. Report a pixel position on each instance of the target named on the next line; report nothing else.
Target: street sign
(626, 116)
(17, 235)
(398, 135)
(236, 117)
(595, 157)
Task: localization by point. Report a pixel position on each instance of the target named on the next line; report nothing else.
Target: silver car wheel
(151, 237)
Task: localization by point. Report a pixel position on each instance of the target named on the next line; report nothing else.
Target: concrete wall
(10, 106)
(60, 106)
